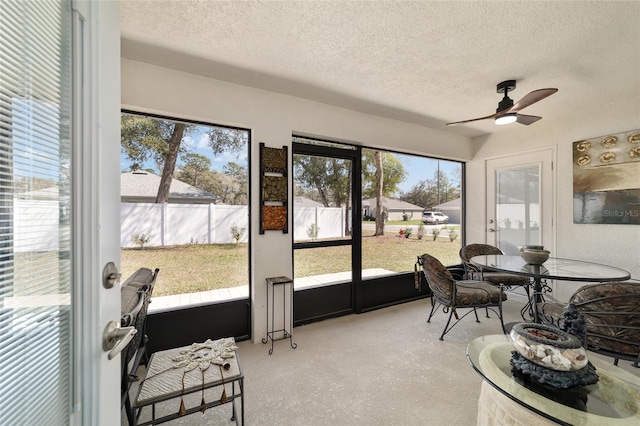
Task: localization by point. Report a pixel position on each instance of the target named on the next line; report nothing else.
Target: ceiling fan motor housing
(505, 87)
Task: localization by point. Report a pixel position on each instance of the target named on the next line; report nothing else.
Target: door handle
(491, 230)
(110, 275)
(116, 338)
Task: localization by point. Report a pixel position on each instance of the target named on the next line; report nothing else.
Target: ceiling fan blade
(473, 119)
(530, 99)
(527, 119)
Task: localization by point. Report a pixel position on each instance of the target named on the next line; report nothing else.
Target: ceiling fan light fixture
(507, 118)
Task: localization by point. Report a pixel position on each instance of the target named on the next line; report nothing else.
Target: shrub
(436, 233)
(453, 234)
(237, 232)
(312, 231)
(405, 217)
(420, 233)
(408, 231)
(140, 239)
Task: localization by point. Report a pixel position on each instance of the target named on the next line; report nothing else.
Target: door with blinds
(54, 230)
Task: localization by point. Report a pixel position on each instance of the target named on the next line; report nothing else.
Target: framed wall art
(274, 200)
(606, 179)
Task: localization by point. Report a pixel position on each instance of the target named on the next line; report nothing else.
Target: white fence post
(210, 227)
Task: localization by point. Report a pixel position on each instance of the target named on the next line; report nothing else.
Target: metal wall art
(274, 200)
(606, 179)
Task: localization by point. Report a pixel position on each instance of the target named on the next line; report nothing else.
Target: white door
(59, 210)
(520, 201)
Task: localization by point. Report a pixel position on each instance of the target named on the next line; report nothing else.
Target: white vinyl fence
(168, 224)
(329, 220)
(27, 213)
(179, 224)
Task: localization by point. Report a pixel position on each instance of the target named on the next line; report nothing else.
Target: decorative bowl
(535, 257)
(549, 347)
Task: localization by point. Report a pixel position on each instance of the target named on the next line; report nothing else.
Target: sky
(422, 168)
(418, 168)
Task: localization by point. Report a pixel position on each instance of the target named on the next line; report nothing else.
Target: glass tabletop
(554, 268)
(614, 400)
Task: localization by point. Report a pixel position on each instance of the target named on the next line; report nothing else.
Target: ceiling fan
(507, 111)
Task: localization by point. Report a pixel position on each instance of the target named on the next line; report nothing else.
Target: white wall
(272, 118)
(615, 245)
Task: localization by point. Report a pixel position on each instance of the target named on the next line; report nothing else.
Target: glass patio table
(554, 268)
(613, 400)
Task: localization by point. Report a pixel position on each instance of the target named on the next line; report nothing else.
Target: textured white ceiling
(426, 62)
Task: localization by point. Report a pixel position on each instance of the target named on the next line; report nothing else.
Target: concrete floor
(385, 367)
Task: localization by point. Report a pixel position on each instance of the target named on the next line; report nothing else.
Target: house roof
(306, 202)
(422, 62)
(391, 204)
(144, 185)
(455, 204)
(50, 193)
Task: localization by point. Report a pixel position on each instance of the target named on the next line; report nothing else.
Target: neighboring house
(305, 202)
(452, 208)
(50, 193)
(142, 187)
(394, 208)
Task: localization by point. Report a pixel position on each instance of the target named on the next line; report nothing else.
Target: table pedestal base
(494, 408)
(557, 379)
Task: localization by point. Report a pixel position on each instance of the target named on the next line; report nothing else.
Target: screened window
(415, 208)
(184, 194)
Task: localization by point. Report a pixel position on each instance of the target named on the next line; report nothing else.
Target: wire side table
(286, 334)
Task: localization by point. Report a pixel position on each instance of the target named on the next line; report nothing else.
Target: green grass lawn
(193, 268)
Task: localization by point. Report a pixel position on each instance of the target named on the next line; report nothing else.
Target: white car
(430, 218)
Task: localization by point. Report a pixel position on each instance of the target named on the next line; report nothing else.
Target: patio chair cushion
(468, 292)
(472, 292)
(606, 308)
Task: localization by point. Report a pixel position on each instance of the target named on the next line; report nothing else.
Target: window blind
(35, 270)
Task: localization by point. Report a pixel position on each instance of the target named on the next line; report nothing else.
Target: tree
(311, 172)
(422, 194)
(195, 165)
(223, 140)
(431, 192)
(382, 172)
(144, 138)
(329, 178)
(379, 192)
(237, 186)
(394, 173)
(170, 157)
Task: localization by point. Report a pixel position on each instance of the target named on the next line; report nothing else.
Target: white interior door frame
(96, 206)
(545, 159)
